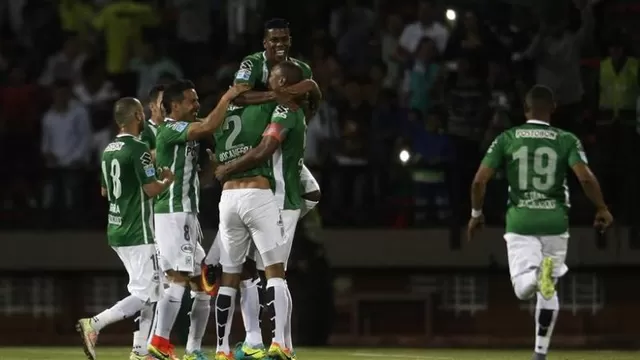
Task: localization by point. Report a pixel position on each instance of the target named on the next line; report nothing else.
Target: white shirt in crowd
(413, 33)
(67, 135)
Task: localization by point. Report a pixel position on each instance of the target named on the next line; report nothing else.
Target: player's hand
(475, 224)
(212, 159)
(603, 220)
(167, 174)
(222, 173)
(235, 90)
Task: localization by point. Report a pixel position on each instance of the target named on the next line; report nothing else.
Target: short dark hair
(291, 71)
(540, 95)
(276, 23)
(124, 109)
(175, 92)
(155, 91)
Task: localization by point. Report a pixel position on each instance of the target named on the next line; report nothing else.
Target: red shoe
(161, 349)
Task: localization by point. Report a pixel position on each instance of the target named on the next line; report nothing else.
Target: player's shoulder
(172, 126)
(249, 61)
(300, 63)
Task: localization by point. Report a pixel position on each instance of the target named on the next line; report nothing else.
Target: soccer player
(129, 183)
(283, 142)
(537, 158)
(254, 72)
(176, 214)
(148, 134)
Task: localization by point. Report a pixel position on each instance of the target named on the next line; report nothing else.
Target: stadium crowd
(414, 94)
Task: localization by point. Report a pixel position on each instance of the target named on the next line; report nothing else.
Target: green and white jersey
(241, 131)
(148, 134)
(174, 151)
(537, 158)
(290, 129)
(254, 70)
(126, 167)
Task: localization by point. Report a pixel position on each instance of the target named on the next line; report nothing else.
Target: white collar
(538, 122)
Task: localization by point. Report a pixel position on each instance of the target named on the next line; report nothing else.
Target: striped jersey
(148, 134)
(174, 151)
(126, 167)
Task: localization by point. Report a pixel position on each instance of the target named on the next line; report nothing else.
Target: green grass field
(337, 354)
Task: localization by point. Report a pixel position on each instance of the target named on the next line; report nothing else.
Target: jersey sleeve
(576, 152)
(306, 71)
(282, 121)
(143, 164)
(249, 71)
(495, 154)
(176, 133)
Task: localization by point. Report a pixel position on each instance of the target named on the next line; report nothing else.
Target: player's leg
(290, 221)
(554, 248)
(311, 191)
(173, 238)
(144, 288)
(251, 305)
(201, 306)
(525, 257)
(210, 267)
(265, 224)
(235, 244)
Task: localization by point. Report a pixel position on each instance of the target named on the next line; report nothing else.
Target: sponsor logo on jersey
(280, 111)
(149, 170)
(537, 201)
(536, 134)
(146, 159)
(236, 152)
(115, 220)
(114, 146)
(187, 249)
(246, 65)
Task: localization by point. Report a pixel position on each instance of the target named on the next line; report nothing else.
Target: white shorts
(141, 262)
(289, 221)
(309, 183)
(246, 216)
(526, 252)
(178, 239)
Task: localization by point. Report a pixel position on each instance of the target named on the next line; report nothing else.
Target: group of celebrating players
(151, 178)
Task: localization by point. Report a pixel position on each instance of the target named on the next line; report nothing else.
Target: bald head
(127, 110)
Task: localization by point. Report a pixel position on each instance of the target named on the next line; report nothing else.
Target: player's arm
(253, 97)
(590, 185)
(208, 125)
(146, 172)
(492, 161)
(272, 137)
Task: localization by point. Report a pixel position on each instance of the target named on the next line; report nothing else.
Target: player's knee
(313, 196)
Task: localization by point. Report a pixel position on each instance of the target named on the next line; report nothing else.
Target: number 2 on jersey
(545, 162)
(236, 122)
(114, 174)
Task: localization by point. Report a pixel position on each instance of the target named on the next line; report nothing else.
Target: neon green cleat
(244, 351)
(89, 337)
(546, 283)
(134, 356)
(277, 352)
(196, 355)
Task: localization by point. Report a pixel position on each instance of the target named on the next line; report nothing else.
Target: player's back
(288, 160)
(130, 209)
(241, 131)
(537, 158)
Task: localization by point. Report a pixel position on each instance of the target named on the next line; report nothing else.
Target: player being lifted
(283, 143)
(129, 183)
(254, 71)
(249, 210)
(148, 134)
(537, 158)
(176, 214)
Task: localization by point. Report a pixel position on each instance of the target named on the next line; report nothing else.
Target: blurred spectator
(421, 76)
(427, 25)
(557, 53)
(389, 45)
(150, 65)
(194, 30)
(76, 17)
(65, 64)
(97, 94)
(323, 133)
(66, 145)
(19, 111)
(13, 11)
(121, 22)
(348, 17)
